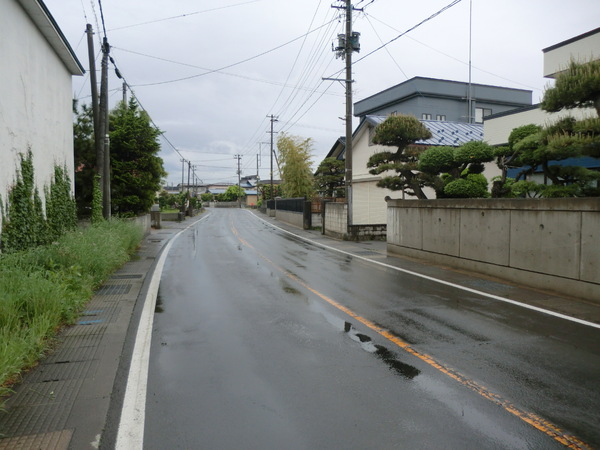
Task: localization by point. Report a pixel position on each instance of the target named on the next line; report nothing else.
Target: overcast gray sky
(209, 72)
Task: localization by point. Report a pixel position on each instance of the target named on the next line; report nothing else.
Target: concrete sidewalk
(70, 399)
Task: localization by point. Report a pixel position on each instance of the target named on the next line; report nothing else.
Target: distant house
(497, 128)
(251, 197)
(36, 109)
(443, 100)
(368, 201)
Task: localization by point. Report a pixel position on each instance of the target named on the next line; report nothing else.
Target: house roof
(439, 88)
(339, 143)
(443, 133)
(40, 15)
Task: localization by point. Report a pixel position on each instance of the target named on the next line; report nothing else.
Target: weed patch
(45, 288)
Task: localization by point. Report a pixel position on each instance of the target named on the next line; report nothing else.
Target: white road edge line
(130, 435)
(437, 280)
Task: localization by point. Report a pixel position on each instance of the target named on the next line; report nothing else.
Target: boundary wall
(543, 243)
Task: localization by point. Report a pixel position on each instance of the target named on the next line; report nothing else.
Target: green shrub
(46, 287)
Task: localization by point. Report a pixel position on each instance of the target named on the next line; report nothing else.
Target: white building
(36, 110)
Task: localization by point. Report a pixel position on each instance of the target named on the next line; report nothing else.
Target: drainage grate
(114, 289)
(126, 277)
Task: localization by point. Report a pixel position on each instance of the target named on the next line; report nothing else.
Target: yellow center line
(532, 419)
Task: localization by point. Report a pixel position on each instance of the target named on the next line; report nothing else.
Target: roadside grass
(46, 288)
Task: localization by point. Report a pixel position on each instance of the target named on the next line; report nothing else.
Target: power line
(102, 17)
(453, 57)
(386, 49)
(220, 72)
(183, 15)
(450, 5)
(234, 64)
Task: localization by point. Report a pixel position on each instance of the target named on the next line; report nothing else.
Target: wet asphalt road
(264, 341)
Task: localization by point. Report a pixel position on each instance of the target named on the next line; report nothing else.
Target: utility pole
(273, 120)
(347, 44)
(98, 139)
(239, 172)
(182, 175)
(103, 120)
(124, 93)
(188, 189)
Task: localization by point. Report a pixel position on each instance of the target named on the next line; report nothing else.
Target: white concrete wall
(336, 219)
(35, 100)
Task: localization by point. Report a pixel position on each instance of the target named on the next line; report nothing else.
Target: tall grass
(45, 288)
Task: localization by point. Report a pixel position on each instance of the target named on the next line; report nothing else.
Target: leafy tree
(456, 172)
(508, 156)
(538, 151)
(400, 131)
(137, 169)
(207, 197)
(330, 178)
(232, 194)
(265, 191)
(85, 159)
(539, 148)
(295, 159)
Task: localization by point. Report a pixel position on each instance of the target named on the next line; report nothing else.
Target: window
(480, 113)
(426, 116)
(440, 117)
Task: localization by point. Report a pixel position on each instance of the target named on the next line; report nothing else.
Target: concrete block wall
(336, 220)
(544, 243)
(293, 218)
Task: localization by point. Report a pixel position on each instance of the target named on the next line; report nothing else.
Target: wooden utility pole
(103, 131)
(239, 173)
(348, 51)
(94, 85)
(347, 44)
(273, 120)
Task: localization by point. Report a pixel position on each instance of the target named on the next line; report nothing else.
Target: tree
(137, 169)
(330, 178)
(232, 194)
(265, 191)
(85, 159)
(541, 149)
(400, 131)
(295, 159)
(577, 87)
(457, 172)
(508, 156)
